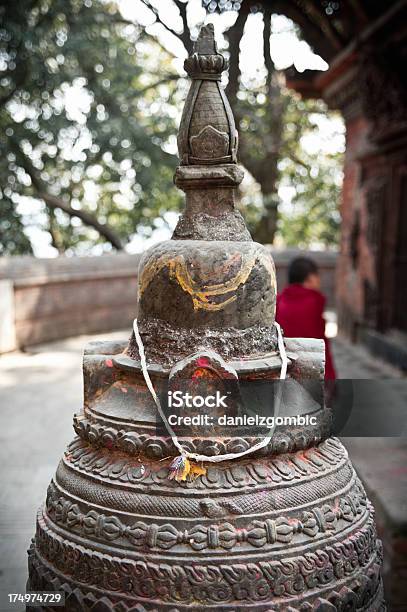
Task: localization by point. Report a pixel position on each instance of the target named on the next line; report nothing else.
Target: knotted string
(186, 454)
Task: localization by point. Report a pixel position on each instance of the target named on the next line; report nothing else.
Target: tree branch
(268, 61)
(310, 30)
(54, 202)
(234, 36)
(167, 79)
(293, 157)
(88, 219)
(155, 40)
(143, 34)
(186, 33)
(359, 10)
(179, 35)
(56, 241)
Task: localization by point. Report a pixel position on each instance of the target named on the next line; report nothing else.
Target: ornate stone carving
(258, 534)
(209, 143)
(342, 599)
(158, 447)
(229, 583)
(207, 133)
(326, 457)
(207, 146)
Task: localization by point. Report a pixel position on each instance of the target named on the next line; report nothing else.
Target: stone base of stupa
(283, 531)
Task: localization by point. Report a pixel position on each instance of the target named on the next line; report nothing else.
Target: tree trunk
(53, 202)
(53, 229)
(264, 170)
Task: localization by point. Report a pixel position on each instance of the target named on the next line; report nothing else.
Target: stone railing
(47, 299)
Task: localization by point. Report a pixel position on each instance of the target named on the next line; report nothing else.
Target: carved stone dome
(217, 294)
(224, 285)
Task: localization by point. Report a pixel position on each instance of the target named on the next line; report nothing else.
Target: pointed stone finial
(206, 63)
(207, 133)
(207, 146)
(205, 44)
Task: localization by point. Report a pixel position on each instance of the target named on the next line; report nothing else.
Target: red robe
(299, 312)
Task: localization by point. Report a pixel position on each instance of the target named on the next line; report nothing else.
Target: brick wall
(355, 262)
(57, 298)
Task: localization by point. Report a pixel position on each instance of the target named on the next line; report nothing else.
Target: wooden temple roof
(334, 29)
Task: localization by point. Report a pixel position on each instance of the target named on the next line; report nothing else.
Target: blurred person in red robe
(300, 307)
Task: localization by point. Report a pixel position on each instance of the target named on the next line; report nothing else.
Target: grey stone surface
(381, 462)
(39, 392)
(354, 361)
(7, 327)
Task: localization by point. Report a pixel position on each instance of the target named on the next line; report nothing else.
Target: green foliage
(312, 218)
(79, 122)
(89, 108)
(274, 123)
(13, 240)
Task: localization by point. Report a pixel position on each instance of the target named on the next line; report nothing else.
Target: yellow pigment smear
(201, 295)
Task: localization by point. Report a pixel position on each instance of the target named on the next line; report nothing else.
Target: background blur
(91, 93)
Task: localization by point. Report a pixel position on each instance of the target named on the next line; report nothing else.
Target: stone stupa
(286, 528)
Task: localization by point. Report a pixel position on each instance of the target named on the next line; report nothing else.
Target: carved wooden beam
(325, 23)
(359, 10)
(313, 33)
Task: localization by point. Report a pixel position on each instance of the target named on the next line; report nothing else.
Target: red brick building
(366, 81)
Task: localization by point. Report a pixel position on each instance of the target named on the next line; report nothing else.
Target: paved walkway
(39, 392)
(353, 361)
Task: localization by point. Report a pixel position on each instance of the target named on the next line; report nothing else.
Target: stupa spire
(207, 146)
(207, 133)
